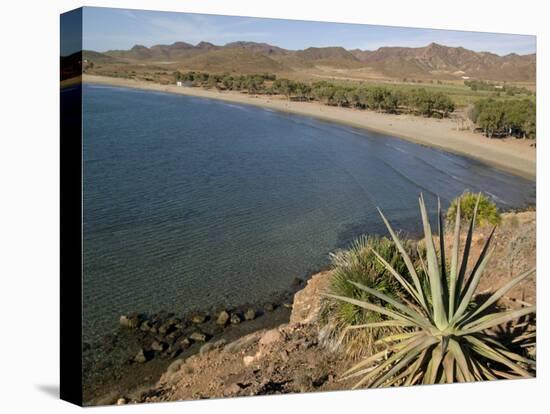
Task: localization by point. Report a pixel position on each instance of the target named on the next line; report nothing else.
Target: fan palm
(358, 264)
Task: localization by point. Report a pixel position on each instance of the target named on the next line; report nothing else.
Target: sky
(107, 29)
(71, 29)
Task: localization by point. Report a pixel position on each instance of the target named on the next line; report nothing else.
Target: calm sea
(191, 203)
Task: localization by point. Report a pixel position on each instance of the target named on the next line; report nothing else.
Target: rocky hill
(443, 61)
(433, 61)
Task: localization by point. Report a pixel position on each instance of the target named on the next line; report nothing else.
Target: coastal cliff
(292, 358)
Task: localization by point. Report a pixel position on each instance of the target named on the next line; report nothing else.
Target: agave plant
(448, 336)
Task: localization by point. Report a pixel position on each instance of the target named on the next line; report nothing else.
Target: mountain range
(433, 61)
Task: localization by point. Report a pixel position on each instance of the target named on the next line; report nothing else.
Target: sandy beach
(513, 155)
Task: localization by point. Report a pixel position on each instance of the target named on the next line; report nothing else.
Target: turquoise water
(191, 203)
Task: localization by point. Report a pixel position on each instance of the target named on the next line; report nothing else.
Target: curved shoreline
(511, 155)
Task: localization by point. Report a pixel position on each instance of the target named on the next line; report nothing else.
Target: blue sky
(71, 28)
(106, 29)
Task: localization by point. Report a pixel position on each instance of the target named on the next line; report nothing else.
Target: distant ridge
(438, 59)
(433, 61)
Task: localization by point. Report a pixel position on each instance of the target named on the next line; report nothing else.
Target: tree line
(510, 90)
(505, 118)
(495, 118)
(379, 98)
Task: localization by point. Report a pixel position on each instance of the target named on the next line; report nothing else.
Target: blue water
(191, 203)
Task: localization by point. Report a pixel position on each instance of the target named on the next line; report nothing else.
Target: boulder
(198, 318)
(223, 318)
(185, 343)
(250, 314)
(141, 357)
(270, 307)
(173, 322)
(235, 319)
(145, 326)
(198, 337)
(307, 302)
(158, 346)
(124, 321)
(172, 337)
(169, 326)
(129, 321)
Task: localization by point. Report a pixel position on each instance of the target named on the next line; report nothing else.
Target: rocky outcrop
(307, 302)
(279, 360)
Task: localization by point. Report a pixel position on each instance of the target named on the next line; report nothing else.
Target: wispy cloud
(129, 13)
(196, 28)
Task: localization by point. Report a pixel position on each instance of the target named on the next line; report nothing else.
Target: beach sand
(513, 155)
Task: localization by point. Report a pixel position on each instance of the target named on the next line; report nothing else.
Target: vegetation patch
(451, 335)
(418, 101)
(517, 118)
(358, 264)
(486, 213)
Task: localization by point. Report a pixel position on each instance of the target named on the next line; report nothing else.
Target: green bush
(487, 211)
(359, 264)
(503, 118)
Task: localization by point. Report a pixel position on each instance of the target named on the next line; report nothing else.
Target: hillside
(337, 57)
(433, 61)
(236, 60)
(437, 60)
(264, 48)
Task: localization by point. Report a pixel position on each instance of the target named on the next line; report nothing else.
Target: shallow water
(191, 203)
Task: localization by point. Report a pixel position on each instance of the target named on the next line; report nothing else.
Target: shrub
(487, 211)
(449, 338)
(502, 118)
(359, 265)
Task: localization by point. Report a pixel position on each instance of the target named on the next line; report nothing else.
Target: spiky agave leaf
(446, 338)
